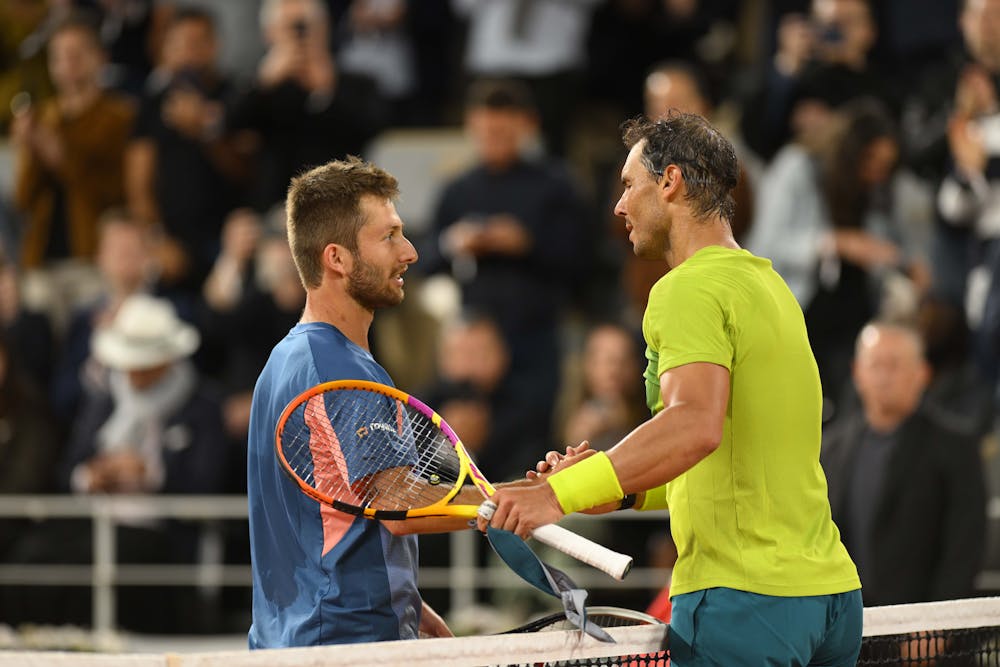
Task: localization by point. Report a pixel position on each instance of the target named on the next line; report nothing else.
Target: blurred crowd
(145, 273)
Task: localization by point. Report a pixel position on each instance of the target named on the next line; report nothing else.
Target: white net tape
(457, 652)
(947, 615)
(504, 649)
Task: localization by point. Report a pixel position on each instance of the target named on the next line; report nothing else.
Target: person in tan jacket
(70, 157)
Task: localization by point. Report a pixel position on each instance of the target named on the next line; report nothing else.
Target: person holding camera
(821, 61)
(303, 109)
(184, 170)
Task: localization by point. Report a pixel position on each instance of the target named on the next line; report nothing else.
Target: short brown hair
(324, 206)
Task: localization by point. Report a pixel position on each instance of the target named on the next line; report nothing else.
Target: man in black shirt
(304, 110)
(514, 232)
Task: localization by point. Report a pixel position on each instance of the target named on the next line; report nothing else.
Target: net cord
(946, 615)
(451, 652)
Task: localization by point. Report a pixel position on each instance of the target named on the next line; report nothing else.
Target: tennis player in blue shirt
(321, 576)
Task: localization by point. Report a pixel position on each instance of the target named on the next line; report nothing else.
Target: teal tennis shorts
(722, 626)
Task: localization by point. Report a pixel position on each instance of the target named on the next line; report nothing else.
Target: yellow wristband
(654, 499)
(586, 484)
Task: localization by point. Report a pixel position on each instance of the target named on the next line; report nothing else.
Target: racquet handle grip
(611, 562)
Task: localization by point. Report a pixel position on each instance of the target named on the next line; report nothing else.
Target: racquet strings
(367, 450)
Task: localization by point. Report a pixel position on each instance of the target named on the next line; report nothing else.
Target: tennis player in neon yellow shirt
(733, 446)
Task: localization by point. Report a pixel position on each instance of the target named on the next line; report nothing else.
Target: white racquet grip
(611, 562)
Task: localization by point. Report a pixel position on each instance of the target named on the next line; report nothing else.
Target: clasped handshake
(522, 506)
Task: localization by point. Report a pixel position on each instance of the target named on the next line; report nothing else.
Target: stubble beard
(653, 246)
(369, 287)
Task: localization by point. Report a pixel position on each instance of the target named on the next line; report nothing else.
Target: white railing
(462, 577)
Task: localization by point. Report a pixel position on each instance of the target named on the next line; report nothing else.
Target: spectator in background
(821, 62)
(156, 429)
(69, 168)
(304, 110)
(184, 169)
(474, 386)
(608, 402)
(515, 39)
(129, 30)
(238, 27)
(253, 297)
(869, 263)
(826, 221)
(28, 332)
(957, 387)
(628, 37)
(514, 232)
(28, 443)
(907, 489)
(373, 41)
(126, 266)
(967, 247)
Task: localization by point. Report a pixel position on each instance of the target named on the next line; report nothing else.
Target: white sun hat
(145, 333)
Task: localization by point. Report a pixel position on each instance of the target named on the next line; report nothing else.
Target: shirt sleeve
(686, 323)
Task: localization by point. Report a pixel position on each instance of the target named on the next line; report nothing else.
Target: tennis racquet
(372, 450)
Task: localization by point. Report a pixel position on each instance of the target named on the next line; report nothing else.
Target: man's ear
(337, 259)
(671, 181)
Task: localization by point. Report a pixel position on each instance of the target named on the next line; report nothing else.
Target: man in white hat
(154, 430)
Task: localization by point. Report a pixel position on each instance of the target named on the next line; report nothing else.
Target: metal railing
(461, 577)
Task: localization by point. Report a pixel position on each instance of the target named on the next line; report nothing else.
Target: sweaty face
(383, 255)
(640, 205)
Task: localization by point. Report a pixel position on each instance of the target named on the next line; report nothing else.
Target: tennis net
(960, 633)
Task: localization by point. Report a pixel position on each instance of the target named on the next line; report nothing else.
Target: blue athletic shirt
(319, 576)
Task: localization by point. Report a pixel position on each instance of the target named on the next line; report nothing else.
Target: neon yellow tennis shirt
(754, 515)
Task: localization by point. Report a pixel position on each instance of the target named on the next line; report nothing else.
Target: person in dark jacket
(906, 484)
(513, 232)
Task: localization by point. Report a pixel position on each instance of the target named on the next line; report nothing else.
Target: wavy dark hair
(704, 156)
